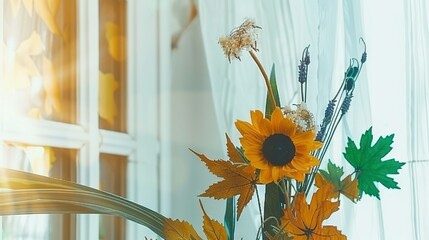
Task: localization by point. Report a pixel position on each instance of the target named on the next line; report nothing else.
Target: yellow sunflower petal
(277, 173)
(306, 146)
(265, 128)
(287, 127)
(300, 164)
(276, 119)
(256, 117)
(299, 176)
(261, 164)
(265, 176)
(246, 128)
(312, 161)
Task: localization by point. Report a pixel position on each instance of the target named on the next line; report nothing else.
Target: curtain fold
(417, 57)
(364, 219)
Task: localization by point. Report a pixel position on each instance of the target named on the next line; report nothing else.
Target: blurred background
(113, 93)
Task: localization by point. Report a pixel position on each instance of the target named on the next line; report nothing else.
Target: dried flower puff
(241, 38)
(301, 117)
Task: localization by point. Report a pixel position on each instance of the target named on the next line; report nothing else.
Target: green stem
(267, 80)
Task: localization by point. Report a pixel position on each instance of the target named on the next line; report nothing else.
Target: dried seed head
(241, 38)
(301, 117)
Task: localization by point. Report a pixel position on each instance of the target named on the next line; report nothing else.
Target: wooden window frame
(148, 117)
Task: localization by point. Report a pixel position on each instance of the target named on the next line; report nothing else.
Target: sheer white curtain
(417, 75)
(390, 95)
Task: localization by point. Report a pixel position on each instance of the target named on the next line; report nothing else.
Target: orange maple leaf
(237, 180)
(347, 187)
(304, 221)
(212, 228)
(176, 229)
(233, 154)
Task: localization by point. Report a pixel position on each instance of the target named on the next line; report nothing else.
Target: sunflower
(276, 147)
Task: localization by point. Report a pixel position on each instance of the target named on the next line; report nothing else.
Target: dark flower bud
(363, 59)
(364, 54)
(303, 66)
(307, 59)
(352, 72)
(350, 83)
(302, 72)
(329, 112)
(346, 104)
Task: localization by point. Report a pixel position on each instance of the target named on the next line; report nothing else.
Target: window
(79, 101)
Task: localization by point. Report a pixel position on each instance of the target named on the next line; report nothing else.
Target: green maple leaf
(368, 164)
(333, 175)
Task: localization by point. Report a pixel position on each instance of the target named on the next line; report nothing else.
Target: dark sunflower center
(278, 149)
(308, 232)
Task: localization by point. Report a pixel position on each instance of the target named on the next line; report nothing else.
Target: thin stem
(326, 139)
(331, 136)
(289, 189)
(267, 80)
(261, 227)
(259, 205)
(340, 89)
(316, 169)
(286, 193)
(302, 92)
(334, 119)
(305, 99)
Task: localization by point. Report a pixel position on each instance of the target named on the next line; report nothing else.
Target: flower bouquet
(280, 150)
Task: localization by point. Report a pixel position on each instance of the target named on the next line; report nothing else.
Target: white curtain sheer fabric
(391, 92)
(417, 75)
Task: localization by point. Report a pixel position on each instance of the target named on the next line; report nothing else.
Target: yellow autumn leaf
(47, 10)
(233, 154)
(212, 228)
(31, 46)
(349, 188)
(176, 229)
(237, 180)
(51, 88)
(305, 221)
(19, 66)
(106, 99)
(53, 6)
(116, 41)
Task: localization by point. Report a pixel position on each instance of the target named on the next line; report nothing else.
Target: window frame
(148, 78)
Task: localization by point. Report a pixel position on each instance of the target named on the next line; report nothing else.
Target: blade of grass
(33, 194)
